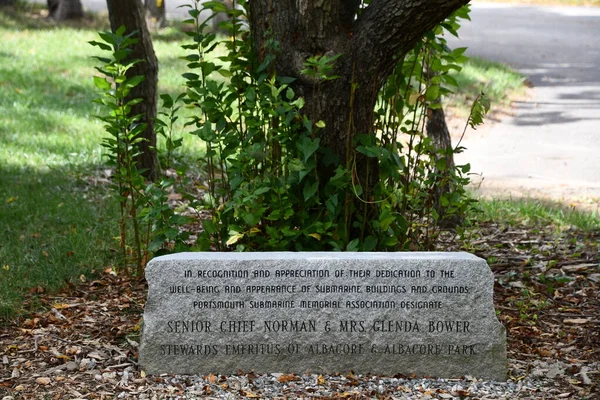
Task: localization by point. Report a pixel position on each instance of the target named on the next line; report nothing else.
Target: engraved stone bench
(428, 314)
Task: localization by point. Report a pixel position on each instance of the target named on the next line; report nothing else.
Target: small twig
(119, 365)
(61, 339)
(35, 345)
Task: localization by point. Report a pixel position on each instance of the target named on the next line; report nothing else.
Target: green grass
(54, 227)
(536, 212)
(54, 224)
(498, 81)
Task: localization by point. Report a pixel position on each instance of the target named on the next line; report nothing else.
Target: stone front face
(429, 314)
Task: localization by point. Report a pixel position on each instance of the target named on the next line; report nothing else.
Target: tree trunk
(61, 10)
(155, 13)
(369, 43)
(131, 14)
(437, 130)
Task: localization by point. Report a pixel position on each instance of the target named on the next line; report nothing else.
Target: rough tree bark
(437, 130)
(131, 14)
(156, 13)
(369, 45)
(61, 10)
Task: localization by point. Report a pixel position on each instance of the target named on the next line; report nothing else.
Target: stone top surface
(284, 255)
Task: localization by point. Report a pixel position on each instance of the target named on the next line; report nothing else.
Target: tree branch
(388, 28)
(348, 12)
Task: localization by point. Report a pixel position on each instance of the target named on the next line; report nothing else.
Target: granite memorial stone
(429, 314)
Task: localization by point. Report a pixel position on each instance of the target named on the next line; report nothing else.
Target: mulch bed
(83, 342)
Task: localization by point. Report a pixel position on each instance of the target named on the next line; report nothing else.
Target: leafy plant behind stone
(147, 223)
(264, 187)
(265, 191)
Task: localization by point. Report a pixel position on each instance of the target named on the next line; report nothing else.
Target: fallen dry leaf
(321, 380)
(577, 320)
(42, 380)
(288, 378)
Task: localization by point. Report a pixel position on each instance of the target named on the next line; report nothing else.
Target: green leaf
(310, 190)
(103, 46)
(295, 164)
(156, 244)
(450, 80)
(332, 203)
(190, 76)
(370, 243)
(369, 151)
(120, 55)
(433, 93)
(320, 124)
(120, 30)
(234, 238)
(108, 37)
(353, 245)
(459, 51)
(167, 100)
(289, 93)
(215, 6)
(299, 103)
(308, 147)
(386, 219)
(133, 81)
(261, 190)
(101, 83)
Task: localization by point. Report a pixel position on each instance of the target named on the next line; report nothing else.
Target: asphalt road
(551, 147)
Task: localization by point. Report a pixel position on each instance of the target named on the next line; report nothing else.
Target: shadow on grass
(535, 211)
(35, 17)
(47, 89)
(175, 32)
(56, 227)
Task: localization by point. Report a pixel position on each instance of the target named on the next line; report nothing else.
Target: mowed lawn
(56, 219)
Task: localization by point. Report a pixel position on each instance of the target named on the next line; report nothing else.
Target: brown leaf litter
(83, 342)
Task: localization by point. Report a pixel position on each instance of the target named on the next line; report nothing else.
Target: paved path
(551, 146)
